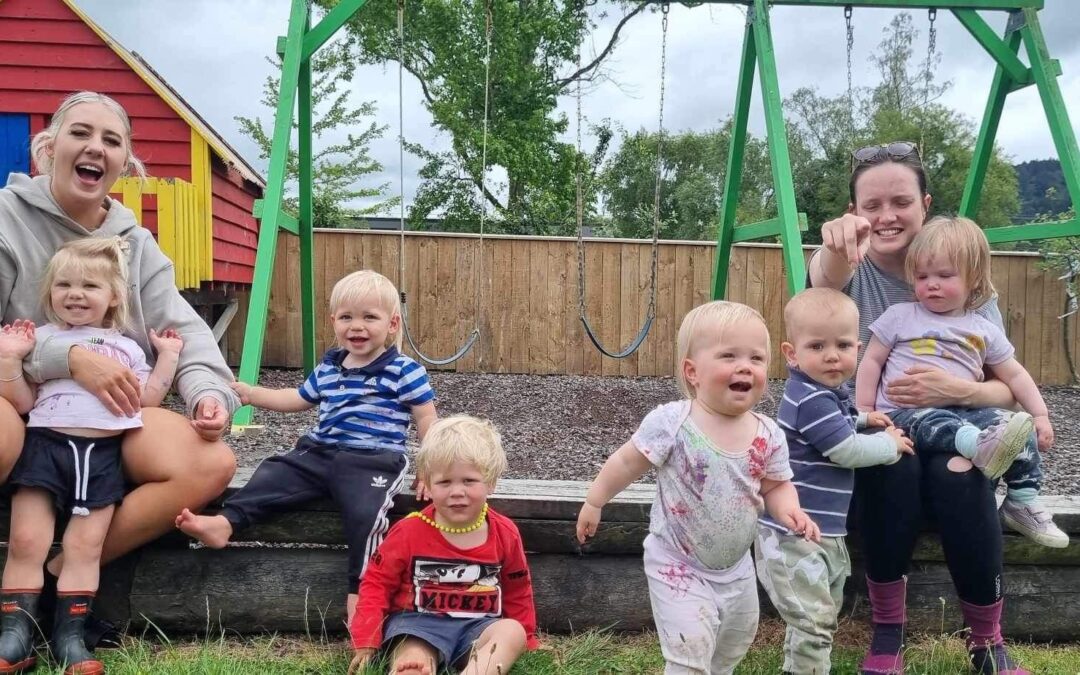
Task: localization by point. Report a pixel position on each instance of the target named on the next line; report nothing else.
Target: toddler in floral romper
(718, 465)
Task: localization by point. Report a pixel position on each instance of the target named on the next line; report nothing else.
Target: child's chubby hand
(17, 339)
(876, 418)
(903, 443)
(243, 390)
(802, 525)
(1044, 432)
(167, 341)
(422, 494)
(587, 521)
(360, 659)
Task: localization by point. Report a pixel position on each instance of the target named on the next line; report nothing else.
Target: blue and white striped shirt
(368, 407)
(815, 419)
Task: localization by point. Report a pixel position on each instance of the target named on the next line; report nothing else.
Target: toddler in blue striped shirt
(805, 579)
(366, 391)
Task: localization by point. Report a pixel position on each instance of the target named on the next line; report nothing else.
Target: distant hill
(1042, 189)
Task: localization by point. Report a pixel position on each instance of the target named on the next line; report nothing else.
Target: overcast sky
(213, 52)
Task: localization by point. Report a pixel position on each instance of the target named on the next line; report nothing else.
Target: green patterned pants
(805, 582)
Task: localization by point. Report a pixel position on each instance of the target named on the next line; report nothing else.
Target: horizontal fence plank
(527, 303)
(298, 590)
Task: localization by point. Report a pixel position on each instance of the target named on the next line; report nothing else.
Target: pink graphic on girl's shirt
(695, 468)
(758, 457)
(105, 349)
(680, 510)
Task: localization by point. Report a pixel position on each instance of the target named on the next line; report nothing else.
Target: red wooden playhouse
(199, 198)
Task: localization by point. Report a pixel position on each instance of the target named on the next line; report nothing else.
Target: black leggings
(890, 501)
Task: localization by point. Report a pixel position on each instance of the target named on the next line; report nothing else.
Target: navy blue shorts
(452, 638)
(80, 472)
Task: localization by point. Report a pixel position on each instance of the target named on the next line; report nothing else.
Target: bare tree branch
(423, 83)
(478, 182)
(580, 72)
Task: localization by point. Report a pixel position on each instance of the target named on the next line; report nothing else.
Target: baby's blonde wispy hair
(964, 244)
(102, 258)
(820, 301)
(708, 322)
(462, 438)
(362, 285)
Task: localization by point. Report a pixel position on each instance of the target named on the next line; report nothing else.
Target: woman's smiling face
(89, 152)
(888, 195)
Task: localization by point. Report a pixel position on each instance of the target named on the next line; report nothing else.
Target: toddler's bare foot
(213, 531)
(412, 667)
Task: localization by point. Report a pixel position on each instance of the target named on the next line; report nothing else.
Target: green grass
(589, 653)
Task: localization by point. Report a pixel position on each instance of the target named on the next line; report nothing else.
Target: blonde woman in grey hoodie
(177, 463)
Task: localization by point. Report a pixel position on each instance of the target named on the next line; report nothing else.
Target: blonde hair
(964, 244)
(40, 145)
(462, 438)
(709, 321)
(101, 257)
(364, 284)
(826, 301)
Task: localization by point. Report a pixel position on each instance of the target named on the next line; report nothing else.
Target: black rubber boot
(68, 648)
(17, 609)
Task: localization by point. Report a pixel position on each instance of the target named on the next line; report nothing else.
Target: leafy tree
(821, 134)
(339, 167)
(534, 49)
(900, 107)
(691, 184)
(1042, 188)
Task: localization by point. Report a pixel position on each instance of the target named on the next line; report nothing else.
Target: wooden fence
(524, 291)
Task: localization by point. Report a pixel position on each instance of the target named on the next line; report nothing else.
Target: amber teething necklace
(453, 530)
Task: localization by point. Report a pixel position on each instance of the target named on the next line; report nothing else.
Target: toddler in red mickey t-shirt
(449, 587)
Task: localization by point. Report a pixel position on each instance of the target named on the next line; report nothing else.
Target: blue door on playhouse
(14, 144)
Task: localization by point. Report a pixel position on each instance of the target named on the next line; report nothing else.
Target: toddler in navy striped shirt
(805, 579)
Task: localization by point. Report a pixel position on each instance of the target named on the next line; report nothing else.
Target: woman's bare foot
(412, 667)
(212, 531)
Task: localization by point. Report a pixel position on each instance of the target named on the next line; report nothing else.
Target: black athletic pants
(362, 483)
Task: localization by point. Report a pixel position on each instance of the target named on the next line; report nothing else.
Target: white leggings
(705, 626)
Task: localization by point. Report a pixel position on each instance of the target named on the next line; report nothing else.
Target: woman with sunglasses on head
(863, 254)
(175, 463)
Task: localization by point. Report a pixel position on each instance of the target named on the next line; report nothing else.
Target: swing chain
(850, 90)
(580, 208)
(580, 205)
(475, 333)
(931, 49)
(488, 29)
(401, 146)
(665, 8)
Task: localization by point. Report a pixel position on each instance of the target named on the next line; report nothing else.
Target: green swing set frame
(303, 40)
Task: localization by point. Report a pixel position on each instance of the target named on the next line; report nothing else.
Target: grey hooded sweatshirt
(33, 226)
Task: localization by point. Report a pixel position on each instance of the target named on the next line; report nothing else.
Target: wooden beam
(288, 573)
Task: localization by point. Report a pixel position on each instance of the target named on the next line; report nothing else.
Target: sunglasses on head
(875, 154)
